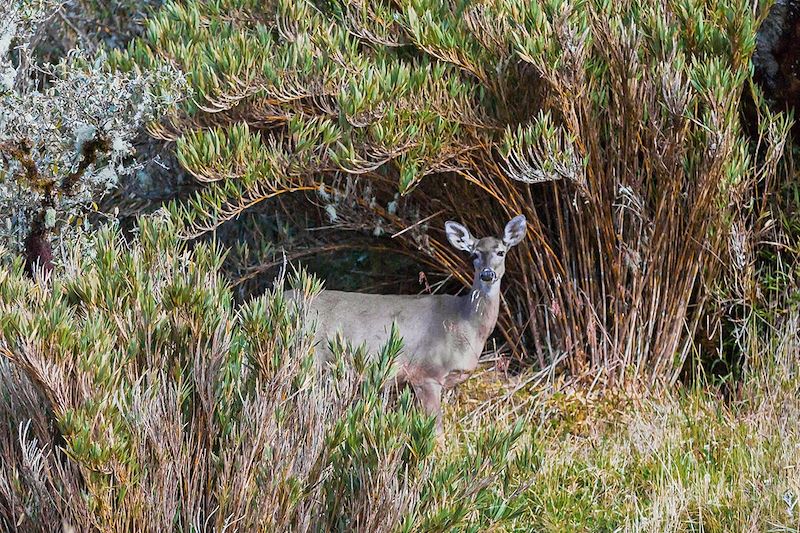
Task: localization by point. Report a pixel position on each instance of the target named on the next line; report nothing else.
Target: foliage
(687, 460)
(137, 398)
(66, 142)
(613, 126)
(135, 395)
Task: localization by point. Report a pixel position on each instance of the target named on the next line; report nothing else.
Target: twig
(415, 224)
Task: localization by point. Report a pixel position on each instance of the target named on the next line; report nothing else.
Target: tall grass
(686, 460)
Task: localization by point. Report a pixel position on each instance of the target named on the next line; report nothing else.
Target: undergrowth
(135, 397)
(688, 460)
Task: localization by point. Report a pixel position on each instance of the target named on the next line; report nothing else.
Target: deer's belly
(447, 354)
(445, 367)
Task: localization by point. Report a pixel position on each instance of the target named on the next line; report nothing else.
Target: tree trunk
(37, 249)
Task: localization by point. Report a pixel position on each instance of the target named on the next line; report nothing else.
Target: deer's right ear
(459, 236)
(515, 230)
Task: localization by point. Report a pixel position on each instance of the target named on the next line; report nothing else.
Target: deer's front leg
(429, 395)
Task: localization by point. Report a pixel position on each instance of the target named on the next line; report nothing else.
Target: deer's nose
(487, 275)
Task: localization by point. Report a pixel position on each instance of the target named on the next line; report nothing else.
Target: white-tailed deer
(443, 336)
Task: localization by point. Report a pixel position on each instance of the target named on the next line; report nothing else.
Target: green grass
(682, 461)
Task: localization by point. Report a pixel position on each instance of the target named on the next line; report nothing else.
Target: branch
(90, 151)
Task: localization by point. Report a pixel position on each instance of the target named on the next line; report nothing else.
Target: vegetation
(686, 461)
(137, 398)
(613, 126)
(653, 310)
(140, 400)
(66, 132)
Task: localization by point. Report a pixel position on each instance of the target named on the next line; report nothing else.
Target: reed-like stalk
(613, 126)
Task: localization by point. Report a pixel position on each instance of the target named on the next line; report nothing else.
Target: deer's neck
(480, 308)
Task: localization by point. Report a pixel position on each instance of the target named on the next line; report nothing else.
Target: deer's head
(489, 253)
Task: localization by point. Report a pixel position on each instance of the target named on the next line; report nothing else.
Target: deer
(443, 335)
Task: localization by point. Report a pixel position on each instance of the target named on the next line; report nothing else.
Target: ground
(685, 460)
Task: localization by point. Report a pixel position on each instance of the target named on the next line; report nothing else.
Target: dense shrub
(613, 126)
(134, 397)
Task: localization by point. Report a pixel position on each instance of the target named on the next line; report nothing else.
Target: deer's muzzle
(488, 275)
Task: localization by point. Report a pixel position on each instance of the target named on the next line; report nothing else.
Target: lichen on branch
(65, 141)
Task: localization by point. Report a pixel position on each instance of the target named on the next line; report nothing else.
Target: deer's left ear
(515, 230)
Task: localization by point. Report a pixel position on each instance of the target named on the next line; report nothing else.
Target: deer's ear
(515, 230)
(459, 236)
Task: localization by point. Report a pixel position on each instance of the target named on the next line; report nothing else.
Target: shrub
(613, 126)
(133, 396)
(136, 398)
(65, 132)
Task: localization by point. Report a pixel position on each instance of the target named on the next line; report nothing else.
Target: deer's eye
(501, 254)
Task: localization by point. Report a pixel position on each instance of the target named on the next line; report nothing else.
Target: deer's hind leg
(429, 395)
